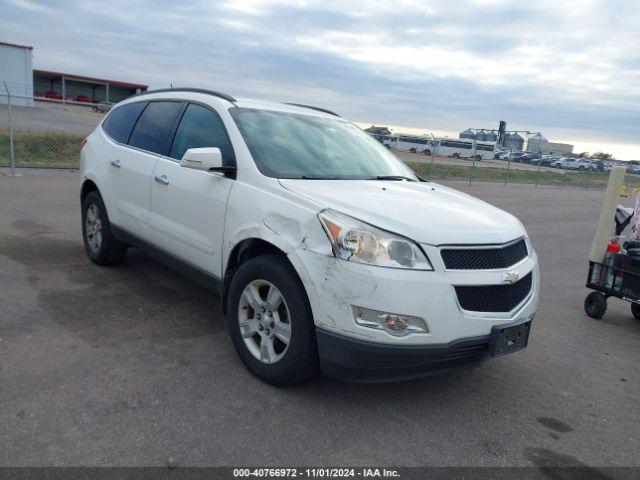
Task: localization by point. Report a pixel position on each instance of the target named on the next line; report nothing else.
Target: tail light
(84, 142)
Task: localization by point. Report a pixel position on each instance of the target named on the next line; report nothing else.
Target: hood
(423, 211)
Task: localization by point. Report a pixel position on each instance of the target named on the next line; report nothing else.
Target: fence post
(506, 177)
(539, 168)
(431, 165)
(11, 147)
(587, 182)
(473, 165)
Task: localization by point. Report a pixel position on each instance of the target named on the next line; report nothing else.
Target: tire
(595, 305)
(456, 155)
(95, 109)
(265, 353)
(478, 157)
(426, 151)
(99, 243)
(635, 310)
(412, 150)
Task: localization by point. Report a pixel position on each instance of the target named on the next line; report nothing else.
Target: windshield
(290, 145)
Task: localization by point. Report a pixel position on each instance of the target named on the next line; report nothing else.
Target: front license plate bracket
(507, 339)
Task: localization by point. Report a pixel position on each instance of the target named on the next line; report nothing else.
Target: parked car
(522, 157)
(560, 162)
(543, 160)
(601, 166)
(633, 168)
(328, 251)
(580, 164)
(102, 107)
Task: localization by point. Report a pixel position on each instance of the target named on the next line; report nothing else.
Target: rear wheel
(478, 157)
(595, 305)
(271, 323)
(412, 150)
(456, 155)
(426, 151)
(99, 243)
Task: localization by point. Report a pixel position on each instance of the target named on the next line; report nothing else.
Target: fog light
(392, 323)
(395, 323)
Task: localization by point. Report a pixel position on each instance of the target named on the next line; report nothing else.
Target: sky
(567, 68)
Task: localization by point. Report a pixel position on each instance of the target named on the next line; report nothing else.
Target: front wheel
(456, 155)
(271, 323)
(412, 150)
(478, 157)
(99, 243)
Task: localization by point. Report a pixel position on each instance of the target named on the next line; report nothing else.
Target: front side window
(291, 145)
(153, 129)
(201, 127)
(120, 121)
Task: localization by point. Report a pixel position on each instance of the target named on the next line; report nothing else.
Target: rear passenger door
(188, 206)
(133, 167)
(123, 177)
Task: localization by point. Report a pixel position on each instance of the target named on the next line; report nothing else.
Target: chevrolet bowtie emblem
(511, 277)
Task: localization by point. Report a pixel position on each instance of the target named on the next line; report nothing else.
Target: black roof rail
(193, 90)
(319, 109)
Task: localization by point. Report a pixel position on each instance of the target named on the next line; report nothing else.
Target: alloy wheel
(265, 323)
(93, 228)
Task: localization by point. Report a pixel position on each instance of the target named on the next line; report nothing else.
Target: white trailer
(463, 148)
(409, 143)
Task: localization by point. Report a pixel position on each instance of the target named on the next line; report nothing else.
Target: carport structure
(79, 88)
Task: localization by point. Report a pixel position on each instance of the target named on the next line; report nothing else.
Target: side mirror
(205, 159)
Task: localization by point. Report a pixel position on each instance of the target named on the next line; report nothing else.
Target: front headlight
(357, 241)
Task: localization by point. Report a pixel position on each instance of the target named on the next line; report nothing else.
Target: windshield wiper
(392, 177)
(318, 177)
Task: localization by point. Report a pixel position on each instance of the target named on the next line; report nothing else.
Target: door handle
(116, 163)
(163, 179)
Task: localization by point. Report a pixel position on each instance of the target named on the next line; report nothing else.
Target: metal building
(487, 136)
(78, 88)
(536, 143)
(513, 141)
(468, 133)
(16, 73)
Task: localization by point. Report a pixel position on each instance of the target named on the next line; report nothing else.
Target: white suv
(329, 252)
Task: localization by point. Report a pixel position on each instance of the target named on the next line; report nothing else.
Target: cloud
(559, 67)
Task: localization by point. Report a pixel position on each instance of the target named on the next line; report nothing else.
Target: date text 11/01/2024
(315, 473)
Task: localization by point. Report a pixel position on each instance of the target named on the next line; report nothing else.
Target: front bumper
(335, 287)
(353, 360)
(359, 361)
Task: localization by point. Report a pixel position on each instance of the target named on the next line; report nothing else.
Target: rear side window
(201, 127)
(120, 121)
(153, 129)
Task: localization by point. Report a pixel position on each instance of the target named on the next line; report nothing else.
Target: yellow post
(605, 231)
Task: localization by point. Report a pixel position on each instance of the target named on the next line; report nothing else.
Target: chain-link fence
(36, 133)
(41, 133)
(511, 169)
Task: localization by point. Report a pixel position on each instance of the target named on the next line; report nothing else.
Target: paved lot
(131, 365)
(50, 117)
